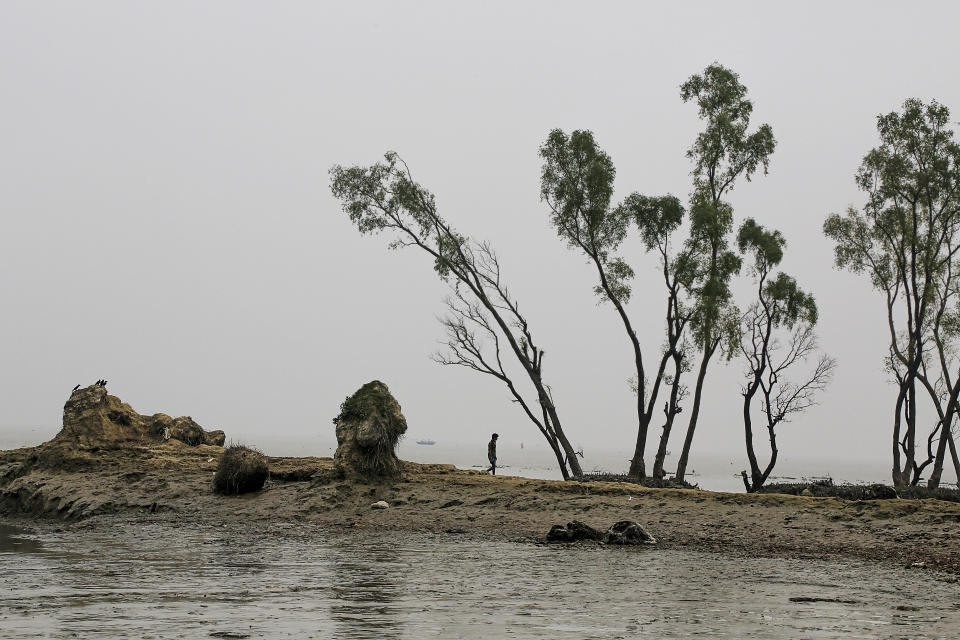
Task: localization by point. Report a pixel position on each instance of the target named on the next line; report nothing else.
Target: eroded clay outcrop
(369, 427)
(93, 417)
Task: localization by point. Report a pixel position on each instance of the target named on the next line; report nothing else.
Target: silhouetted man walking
(492, 454)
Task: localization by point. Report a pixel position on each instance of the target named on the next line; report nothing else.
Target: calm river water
(163, 580)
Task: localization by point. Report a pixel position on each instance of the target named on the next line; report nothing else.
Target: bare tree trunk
(748, 435)
(953, 454)
(638, 468)
(945, 437)
(658, 461)
(672, 411)
(946, 433)
(898, 476)
(571, 455)
(911, 460)
(558, 451)
(774, 454)
(946, 440)
(694, 415)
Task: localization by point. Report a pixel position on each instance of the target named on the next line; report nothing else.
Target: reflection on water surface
(162, 580)
(13, 539)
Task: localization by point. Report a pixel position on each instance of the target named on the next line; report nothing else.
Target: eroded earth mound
(92, 417)
(369, 427)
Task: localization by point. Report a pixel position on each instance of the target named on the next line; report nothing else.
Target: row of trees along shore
(904, 239)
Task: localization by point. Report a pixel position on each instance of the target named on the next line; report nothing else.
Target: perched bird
(75, 388)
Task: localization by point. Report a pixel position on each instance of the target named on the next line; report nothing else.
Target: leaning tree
(905, 238)
(776, 337)
(384, 197)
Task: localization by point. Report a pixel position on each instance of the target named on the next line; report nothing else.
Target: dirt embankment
(110, 461)
(173, 480)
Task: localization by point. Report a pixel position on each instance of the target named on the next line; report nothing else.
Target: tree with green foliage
(577, 184)
(776, 335)
(905, 238)
(723, 153)
(658, 218)
(384, 197)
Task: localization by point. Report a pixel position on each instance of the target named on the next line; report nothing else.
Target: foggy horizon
(168, 223)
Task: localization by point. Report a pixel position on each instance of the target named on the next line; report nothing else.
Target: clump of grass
(241, 470)
(373, 397)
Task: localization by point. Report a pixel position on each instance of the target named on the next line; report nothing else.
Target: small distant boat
(427, 441)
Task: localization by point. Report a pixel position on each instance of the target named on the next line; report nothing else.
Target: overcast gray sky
(167, 222)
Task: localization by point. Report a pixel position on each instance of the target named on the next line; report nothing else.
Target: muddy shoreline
(55, 485)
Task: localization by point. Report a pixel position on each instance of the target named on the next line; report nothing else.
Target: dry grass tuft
(241, 470)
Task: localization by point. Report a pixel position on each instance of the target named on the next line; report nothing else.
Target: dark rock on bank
(574, 532)
(628, 532)
(625, 532)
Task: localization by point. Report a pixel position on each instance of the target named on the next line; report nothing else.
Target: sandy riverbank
(172, 481)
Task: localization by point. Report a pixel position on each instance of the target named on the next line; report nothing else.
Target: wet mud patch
(175, 579)
(16, 540)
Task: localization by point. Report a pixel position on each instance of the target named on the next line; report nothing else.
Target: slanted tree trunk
(946, 434)
(695, 412)
(899, 479)
(638, 467)
(945, 437)
(671, 412)
(570, 454)
(748, 432)
(758, 476)
(911, 440)
(953, 454)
